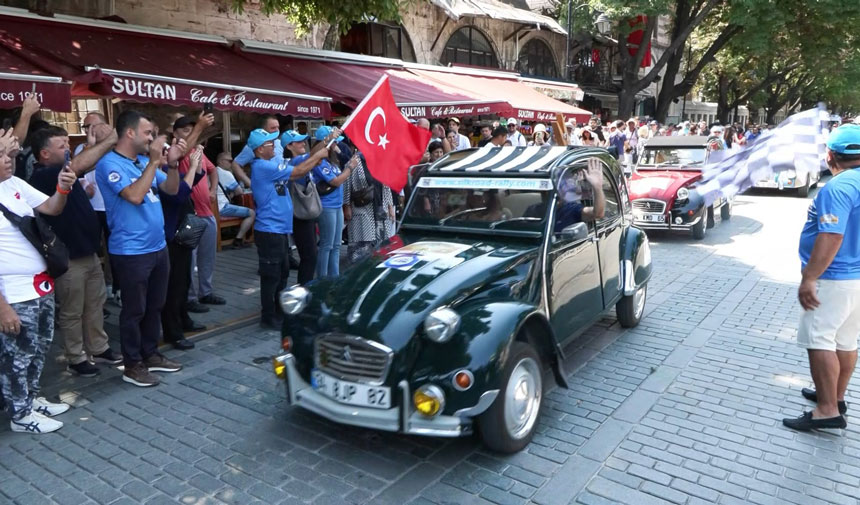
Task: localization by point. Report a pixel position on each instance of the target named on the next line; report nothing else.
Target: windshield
(681, 157)
(480, 203)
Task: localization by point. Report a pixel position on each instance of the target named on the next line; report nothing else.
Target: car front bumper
(400, 419)
(670, 223)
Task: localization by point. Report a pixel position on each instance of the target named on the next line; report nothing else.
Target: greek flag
(798, 144)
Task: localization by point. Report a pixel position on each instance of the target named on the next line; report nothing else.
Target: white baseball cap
(512, 121)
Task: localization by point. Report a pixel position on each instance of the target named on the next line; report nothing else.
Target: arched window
(468, 46)
(536, 59)
(378, 39)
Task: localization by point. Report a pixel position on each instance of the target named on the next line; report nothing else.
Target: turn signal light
(279, 367)
(690, 212)
(428, 400)
(463, 380)
(287, 344)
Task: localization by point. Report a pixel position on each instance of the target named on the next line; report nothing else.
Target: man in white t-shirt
(516, 138)
(26, 297)
(463, 141)
(228, 187)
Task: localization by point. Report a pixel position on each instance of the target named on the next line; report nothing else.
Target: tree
(303, 14)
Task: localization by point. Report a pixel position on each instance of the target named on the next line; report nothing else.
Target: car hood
(660, 184)
(386, 296)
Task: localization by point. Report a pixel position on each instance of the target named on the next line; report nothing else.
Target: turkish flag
(389, 142)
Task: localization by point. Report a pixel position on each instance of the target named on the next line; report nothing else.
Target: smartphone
(208, 108)
(7, 123)
(68, 158)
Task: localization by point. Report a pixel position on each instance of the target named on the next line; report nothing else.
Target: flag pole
(376, 86)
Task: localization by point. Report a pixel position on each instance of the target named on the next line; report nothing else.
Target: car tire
(507, 426)
(803, 191)
(711, 218)
(726, 211)
(699, 228)
(629, 309)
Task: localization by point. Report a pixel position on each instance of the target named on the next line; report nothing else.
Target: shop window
(72, 121)
(377, 39)
(536, 59)
(468, 46)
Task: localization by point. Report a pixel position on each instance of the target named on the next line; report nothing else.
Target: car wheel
(726, 211)
(509, 424)
(710, 213)
(803, 191)
(629, 309)
(700, 227)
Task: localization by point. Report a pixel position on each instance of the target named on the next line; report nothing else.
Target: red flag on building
(389, 142)
(635, 39)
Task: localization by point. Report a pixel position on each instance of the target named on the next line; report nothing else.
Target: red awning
(349, 83)
(19, 78)
(150, 66)
(526, 103)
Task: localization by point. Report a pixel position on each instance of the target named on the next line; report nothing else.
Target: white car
(789, 179)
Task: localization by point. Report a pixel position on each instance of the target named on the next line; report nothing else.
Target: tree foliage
(304, 14)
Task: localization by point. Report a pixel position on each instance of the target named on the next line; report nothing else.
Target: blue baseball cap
(259, 137)
(845, 139)
(291, 136)
(323, 132)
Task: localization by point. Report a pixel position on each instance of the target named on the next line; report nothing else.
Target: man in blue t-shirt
(246, 156)
(270, 177)
(129, 183)
(830, 287)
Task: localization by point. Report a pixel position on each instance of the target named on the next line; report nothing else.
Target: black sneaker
(211, 299)
(806, 423)
(108, 357)
(139, 375)
(84, 369)
(812, 396)
(196, 307)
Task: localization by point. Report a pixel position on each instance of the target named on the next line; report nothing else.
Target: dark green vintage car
(504, 255)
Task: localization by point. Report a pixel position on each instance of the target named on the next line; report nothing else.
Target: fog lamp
(279, 367)
(678, 220)
(429, 400)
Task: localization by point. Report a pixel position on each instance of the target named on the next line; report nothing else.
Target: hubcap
(522, 398)
(639, 302)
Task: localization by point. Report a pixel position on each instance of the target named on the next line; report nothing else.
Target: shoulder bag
(190, 231)
(362, 197)
(306, 200)
(39, 233)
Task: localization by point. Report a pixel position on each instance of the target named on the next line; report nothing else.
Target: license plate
(651, 218)
(767, 184)
(351, 393)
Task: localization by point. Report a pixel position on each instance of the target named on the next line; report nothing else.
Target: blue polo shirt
(134, 229)
(836, 209)
(270, 185)
(325, 171)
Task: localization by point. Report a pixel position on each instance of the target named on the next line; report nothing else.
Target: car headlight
(294, 300)
(441, 324)
(683, 193)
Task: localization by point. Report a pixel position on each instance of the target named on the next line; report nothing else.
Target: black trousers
(272, 249)
(174, 315)
(143, 286)
(305, 238)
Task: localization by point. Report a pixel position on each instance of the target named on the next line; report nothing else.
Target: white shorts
(835, 324)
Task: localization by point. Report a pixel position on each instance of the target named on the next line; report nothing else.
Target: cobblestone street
(685, 409)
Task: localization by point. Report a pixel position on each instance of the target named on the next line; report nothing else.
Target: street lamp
(603, 24)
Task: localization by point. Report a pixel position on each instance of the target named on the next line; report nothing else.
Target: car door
(608, 230)
(573, 278)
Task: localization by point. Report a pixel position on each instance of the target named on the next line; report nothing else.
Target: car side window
(575, 197)
(613, 208)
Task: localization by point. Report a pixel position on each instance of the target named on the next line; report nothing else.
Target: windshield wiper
(461, 213)
(512, 220)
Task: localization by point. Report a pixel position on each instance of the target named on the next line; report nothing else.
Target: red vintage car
(660, 185)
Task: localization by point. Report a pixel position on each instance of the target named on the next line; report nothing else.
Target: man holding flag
(830, 289)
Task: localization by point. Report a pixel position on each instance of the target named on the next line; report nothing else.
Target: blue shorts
(231, 210)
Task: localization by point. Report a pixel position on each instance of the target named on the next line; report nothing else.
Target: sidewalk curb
(233, 324)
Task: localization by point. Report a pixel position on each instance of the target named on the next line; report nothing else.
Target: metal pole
(567, 46)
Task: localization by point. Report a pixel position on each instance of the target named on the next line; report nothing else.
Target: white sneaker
(35, 423)
(49, 409)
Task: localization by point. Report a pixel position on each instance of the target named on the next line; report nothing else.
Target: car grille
(650, 206)
(352, 358)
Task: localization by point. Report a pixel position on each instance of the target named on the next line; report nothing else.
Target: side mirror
(574, 232)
